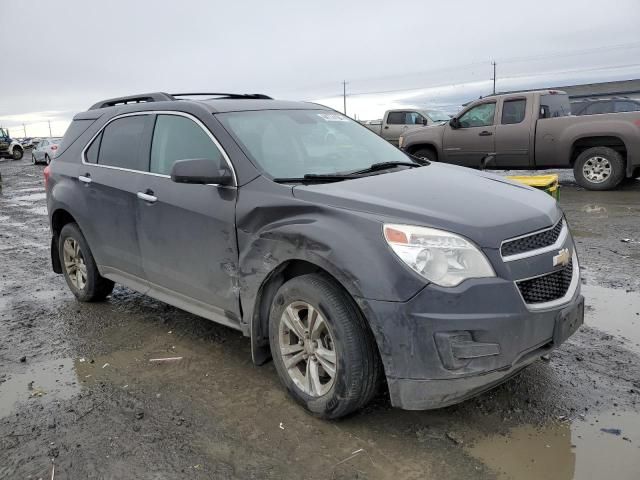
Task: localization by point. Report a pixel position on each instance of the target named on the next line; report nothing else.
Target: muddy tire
(33, 159)
(314, 318)
(47, 160)
(426, 154)
(79, 267)
(599, 168)
(17, 154)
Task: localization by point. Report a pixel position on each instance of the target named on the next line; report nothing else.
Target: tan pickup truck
(535, 130)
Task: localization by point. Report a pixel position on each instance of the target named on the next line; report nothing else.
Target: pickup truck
(535, 130)
(9, 147)
(398, 122)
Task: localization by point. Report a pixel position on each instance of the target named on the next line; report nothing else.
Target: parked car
(26, 142)
(9, 147)
(397, 122)
(348, 265)
(535, 130)
(608, 105)
(45, 150)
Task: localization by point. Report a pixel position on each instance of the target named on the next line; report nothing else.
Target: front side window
(479, 116)
(513, 111)
(292, 143)
(121, 142)
(414, 118)
(179, 138)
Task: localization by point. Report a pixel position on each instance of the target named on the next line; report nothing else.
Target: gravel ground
(78, 393)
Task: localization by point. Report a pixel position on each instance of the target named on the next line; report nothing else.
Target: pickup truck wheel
(599, 168)
(79, 267)
(426, 154)
(17, 154)
(322, 348)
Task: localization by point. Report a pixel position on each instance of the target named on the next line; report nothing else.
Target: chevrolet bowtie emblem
(562, 258)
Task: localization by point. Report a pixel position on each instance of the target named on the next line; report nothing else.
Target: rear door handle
(86, 178)
(485, 134)
(147, 197)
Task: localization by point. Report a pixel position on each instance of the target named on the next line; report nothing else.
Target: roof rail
(142, 98)
(232, 96)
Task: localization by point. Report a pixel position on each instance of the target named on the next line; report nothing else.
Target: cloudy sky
(60, 56)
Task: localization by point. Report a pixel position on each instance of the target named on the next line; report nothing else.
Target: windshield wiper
(383, 166)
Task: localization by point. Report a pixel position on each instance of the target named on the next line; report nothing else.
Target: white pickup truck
(398, 122)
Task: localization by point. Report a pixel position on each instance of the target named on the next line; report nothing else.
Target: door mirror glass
(201, 171)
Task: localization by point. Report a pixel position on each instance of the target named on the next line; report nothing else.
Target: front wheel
(428, 154)
(79, 267)
(17, 154)
(322, 348)
(599, 168)
(33, 159)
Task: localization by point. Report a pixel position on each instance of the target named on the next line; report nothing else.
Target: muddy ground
(78, 393)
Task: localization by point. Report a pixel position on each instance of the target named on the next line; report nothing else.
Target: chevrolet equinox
(347, 261)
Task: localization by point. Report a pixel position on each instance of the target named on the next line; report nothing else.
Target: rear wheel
(79, 267)
(599, 168)
(322, 348)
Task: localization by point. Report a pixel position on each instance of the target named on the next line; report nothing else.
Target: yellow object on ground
(547, 183)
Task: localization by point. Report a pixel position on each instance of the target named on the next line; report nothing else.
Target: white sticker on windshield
(332, 117)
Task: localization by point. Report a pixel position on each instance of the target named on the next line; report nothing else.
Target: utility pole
(25, 130)
(50, 126)
(494, 77)
(344, 96)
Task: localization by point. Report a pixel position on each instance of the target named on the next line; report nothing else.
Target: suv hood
(485, 208)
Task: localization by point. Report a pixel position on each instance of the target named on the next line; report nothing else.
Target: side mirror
(201, 171)
(454, 123)
(424, 121)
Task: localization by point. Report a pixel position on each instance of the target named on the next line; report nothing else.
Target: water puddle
(566, 451)
(614, 311)
(34, 197)
(40, 382)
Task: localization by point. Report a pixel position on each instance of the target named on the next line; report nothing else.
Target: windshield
(438, 116)
(293, 143)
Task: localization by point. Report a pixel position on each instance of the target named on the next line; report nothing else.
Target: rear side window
(395, 118)
(513, 111)
(623, 106)
(121, 142)
(598, 107)
(75, 129)
(179, 138)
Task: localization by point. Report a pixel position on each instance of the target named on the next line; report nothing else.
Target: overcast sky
(60, 56)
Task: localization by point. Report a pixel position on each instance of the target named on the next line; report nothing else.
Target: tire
(33, 159)
(341, 330)
(426, 154)
(95, 287)
(599, 168)
(17, 154)
(47, 160)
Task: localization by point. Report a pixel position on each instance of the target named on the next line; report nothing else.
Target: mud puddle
(566, 451)
(614, 311)
(42, 382)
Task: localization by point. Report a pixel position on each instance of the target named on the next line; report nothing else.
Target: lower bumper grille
(547, 287)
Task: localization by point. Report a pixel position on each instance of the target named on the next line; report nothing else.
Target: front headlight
(443, 258)
(400, 142)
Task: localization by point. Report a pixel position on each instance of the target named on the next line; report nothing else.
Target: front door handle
(485, 133)
(86, 178)
(147, 197)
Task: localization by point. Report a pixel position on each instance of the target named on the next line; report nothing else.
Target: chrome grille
(534, 241)
(547, 288)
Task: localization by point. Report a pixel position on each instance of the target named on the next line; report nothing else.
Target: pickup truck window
(626, 106)
(552, 106)
(396, 118)
(413, 118)
(513, 111)
(479, 116)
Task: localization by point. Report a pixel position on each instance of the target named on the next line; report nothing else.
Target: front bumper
(484, 321)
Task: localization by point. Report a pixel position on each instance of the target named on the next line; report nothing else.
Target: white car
(45, 151)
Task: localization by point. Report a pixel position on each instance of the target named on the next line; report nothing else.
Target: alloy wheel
(307, 348)
(74, 263)
(597, 169)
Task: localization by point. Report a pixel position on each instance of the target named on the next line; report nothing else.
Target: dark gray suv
(342, 258)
